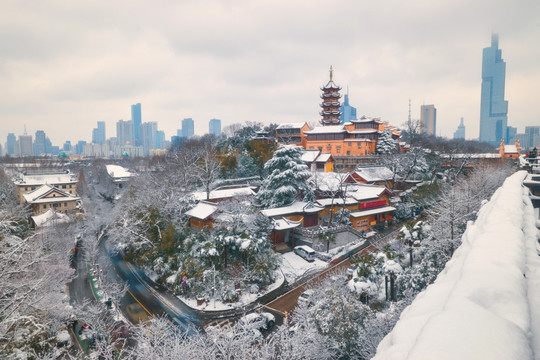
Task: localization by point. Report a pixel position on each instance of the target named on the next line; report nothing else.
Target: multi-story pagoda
(330, 106)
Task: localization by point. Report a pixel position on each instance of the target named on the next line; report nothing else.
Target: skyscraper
(460, 132)
(25, 145)
(98, 134)
(187, 128)
(428, 119)
(214, 127)
(40, 143)
(10, 144)
(348, 112)
(136, 117)
(125, 132)
(148, 136)
(493, 107)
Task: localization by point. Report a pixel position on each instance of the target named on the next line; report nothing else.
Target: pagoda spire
(330, 106)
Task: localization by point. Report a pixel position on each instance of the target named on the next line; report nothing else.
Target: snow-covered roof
(297, 207)
(49, 218)
(40, 194)
(472, 156)
(296, 125)
(374, 211)
(331, 85)
(40, 179)
(118, 172)
(284, 224)
(375, 173)
(326, 129)
(367, 192)
(365, 119)
(202, 210)
(225, 193)
(510, 149)
(310, 155)
(484, 304)
(323, 157)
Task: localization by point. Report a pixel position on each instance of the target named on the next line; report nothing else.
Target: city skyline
(65, 67)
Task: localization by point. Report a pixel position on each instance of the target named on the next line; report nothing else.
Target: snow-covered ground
(486, 302)
(294, 267)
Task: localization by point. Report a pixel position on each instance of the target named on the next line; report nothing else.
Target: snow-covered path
(486, 303)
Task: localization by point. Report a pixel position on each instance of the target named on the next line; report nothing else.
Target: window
(311, 148)
(320, 148)
(359, 144)
(349, 143)
(328, 147)
(348, 153)
(44, 206)
(55, 205)
(65, 204)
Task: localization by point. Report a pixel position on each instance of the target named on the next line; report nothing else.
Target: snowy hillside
(486, 303)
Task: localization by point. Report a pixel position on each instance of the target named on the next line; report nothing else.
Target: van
(305, 252)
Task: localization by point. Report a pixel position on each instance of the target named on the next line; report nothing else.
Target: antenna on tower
(25, 130)
(409, 111)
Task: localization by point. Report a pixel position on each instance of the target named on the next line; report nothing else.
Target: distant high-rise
(136, 117)
(98, 134)
(214, 127)
(160, 139)
(148, 136)
(460, 132)
(493, 107)
(10, 144)
(40, 143)
(348, 112)
(428, 119)
(125, 132)
(532, 133)
(25, 145)
(187, 128)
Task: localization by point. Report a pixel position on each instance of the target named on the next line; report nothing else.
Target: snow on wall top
(310, 155)
(297, 125)
(327, 129)
(224, 193)
(484, 305)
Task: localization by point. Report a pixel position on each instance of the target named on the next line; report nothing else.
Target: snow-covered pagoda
(330, 106)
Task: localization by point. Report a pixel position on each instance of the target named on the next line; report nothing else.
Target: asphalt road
(154, 300)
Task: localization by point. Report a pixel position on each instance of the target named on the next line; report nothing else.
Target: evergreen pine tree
(287, 179)
(386, 144)
(246, 166)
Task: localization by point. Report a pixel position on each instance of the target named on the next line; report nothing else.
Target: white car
(306, 297)
(262, 321)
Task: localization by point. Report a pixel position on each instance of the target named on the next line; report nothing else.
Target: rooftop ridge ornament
(331, 72)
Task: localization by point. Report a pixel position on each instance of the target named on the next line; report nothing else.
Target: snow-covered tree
(246, 166)
(386, 144)
(287, 178)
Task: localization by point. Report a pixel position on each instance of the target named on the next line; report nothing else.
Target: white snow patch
(484, 305)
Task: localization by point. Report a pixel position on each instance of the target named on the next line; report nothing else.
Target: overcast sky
(64, 65)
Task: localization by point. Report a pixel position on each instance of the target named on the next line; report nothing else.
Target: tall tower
(188, 127)
(493, 107)
(214, 127)
(136, 117)
(428, 119)
(330, 106)
(348, 112)
(460, 132)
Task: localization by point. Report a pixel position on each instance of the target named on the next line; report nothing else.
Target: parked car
(305, 252)
(306, 297)
(263, 321)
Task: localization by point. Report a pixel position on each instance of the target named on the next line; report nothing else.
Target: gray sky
(65, 65)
